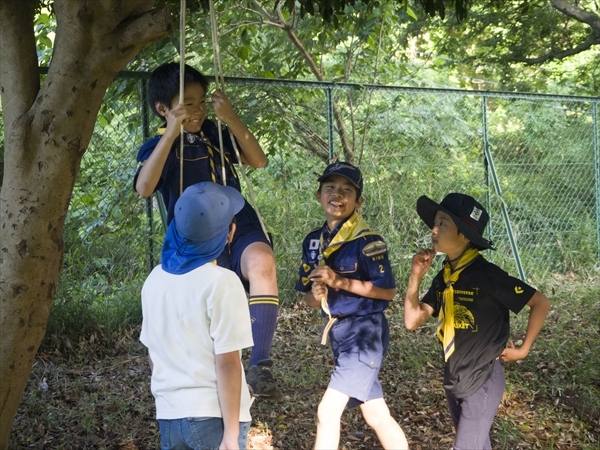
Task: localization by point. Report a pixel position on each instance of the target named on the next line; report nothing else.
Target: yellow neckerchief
(212, 150)
(352, 229)
(445, 325)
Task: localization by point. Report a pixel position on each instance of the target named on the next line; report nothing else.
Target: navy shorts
(359, 346)
(248, 231)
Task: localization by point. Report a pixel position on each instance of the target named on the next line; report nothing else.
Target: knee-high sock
(263, 313)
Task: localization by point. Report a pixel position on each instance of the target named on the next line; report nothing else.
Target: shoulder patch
(374, 249)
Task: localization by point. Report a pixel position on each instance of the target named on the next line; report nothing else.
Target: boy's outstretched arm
(229, 389)
(415, 312)
(251, 152)
(539, 305)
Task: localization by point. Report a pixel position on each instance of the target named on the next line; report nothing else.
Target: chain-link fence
(533, 160)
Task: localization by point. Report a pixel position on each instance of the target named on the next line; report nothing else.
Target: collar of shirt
(329, 235)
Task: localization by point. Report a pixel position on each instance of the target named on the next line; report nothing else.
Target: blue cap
(198, 233)
(346, 170)
(205, 210)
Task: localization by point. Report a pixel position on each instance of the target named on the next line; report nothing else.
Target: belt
(330, 322)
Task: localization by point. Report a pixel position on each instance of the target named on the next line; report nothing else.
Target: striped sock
(263, 313)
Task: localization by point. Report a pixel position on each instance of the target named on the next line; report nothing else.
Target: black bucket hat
(467, 213)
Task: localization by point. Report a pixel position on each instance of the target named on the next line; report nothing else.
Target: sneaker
(263, 384)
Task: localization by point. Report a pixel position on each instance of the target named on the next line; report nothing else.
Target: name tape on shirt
(374, 249)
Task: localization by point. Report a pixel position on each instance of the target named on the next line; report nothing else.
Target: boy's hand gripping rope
(324, 305)
(220, 81)
(181, 86)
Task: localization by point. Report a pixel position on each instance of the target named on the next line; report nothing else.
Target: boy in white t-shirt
(195, 324)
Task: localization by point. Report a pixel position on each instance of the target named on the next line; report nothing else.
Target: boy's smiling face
(194, 100)
(445, 236)
(338, 198)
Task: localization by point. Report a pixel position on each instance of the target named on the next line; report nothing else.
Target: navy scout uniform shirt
(196, 165)
(365, 258)
(484, 295)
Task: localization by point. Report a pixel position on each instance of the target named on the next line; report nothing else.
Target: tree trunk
(47, 130)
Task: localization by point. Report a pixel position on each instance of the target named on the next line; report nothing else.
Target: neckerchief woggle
(355, 227)
(210, 148)
(445, 325)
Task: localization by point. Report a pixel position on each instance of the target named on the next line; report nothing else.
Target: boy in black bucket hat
(472, 299)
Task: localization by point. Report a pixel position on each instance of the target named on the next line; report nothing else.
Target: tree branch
(579, 14)
(590, 41)
(19, 77)
(143, 29)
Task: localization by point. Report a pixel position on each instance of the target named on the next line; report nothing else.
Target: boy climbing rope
(250, 253)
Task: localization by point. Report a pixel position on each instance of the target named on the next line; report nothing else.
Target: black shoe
(263, 384)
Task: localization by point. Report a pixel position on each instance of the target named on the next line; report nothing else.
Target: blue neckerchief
(181, 256)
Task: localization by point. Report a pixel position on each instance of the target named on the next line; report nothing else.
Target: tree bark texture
(47, 129)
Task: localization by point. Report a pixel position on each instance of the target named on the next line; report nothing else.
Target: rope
(181, 86)
(220, 81)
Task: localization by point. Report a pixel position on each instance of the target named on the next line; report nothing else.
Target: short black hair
(163, 85)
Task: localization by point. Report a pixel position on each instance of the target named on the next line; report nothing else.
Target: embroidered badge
(374, 249)
(313, 255)
(314, 244)
(476, 214)
(190, 138)
(518, 290)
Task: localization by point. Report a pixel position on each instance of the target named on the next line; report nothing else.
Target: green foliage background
(413, 142)
(408, 141)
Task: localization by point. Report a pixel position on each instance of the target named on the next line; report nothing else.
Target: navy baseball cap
(346, 170)
(205, 210)
(467, 213)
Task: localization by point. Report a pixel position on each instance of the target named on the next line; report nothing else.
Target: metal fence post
(486, 168)
(330, 121)
(498, 189)
(145, 135)
(597, 170)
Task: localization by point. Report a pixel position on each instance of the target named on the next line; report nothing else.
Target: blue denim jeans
(196, 433)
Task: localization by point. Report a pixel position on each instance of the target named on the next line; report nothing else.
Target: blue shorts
(248, 231)
(359, 346)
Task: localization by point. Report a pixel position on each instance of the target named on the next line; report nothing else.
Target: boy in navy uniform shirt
(249, 254)
(472, 299)
(346, 271)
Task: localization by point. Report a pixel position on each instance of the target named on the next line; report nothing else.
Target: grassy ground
(94, 393)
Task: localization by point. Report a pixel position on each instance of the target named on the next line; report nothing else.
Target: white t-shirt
(187, 320)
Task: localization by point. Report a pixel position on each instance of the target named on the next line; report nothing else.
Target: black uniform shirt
(483, 296)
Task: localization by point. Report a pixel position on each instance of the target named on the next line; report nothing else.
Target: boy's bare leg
(258, 267)
(377, 415)
(329, 415)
